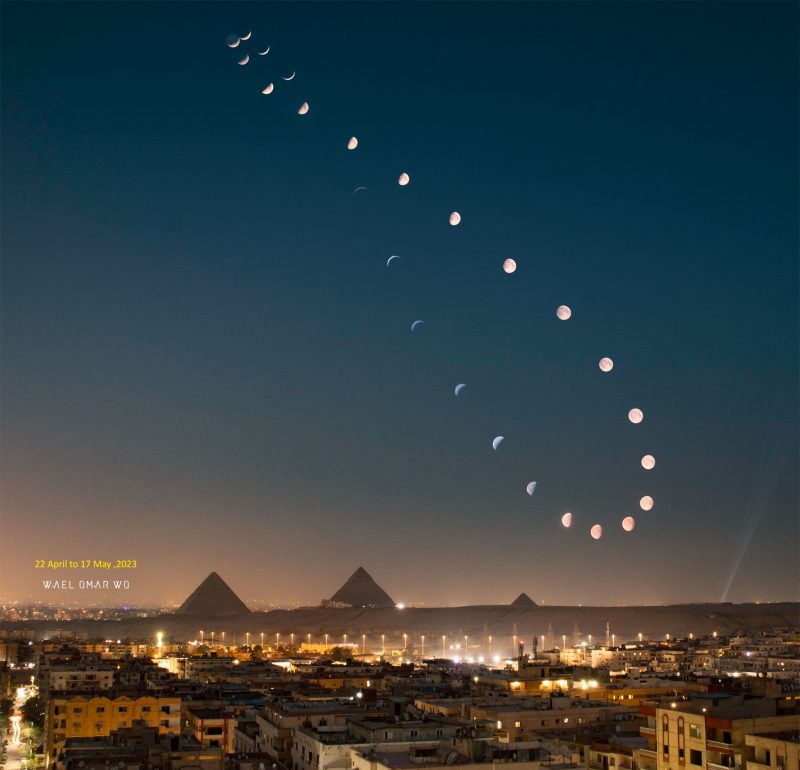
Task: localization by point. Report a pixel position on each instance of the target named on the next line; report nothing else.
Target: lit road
(16, 748)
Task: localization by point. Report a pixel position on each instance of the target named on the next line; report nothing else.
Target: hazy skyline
(206, 364)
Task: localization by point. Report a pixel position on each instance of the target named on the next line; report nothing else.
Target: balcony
(720, 746)
(714, 766)
(647, 730)
(648, 754)
(752, 765)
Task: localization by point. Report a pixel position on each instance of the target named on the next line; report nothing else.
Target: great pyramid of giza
(213, 598)
(361, 590)
(523, 601)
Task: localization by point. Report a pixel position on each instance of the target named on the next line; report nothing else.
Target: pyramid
(362, 591)
(213, 598)
(523, 601)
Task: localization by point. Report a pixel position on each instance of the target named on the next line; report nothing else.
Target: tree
(33, 711)
(6, 707)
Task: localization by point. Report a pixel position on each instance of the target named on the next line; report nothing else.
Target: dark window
(696, 757)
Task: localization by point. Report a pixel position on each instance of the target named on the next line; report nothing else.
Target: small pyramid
(361, 590)
(523, 601)
(213, 598)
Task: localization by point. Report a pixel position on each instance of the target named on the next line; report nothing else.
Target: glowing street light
(247, 638)
(444, 645)
(291, 636)
(422, 652)
(490, 646)
(262, 638)
(363, 643)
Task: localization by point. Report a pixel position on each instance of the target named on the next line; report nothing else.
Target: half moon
(460, 387)
(566, 520)
(352, 143)
(394, 256)
(415, 324)
(244, 61)
(269, 89)
(290, 77)
(303, 109)
(531, 488)
(497, 441)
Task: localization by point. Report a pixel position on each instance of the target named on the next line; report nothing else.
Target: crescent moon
(245, 60)
(248, 35)
(358, 189)
(460, 387)
(234, 43)
(531, 488)
(415, 324)
(269, 89)
(497, 441)
(291, 77)
(394, 256)
(263, 53)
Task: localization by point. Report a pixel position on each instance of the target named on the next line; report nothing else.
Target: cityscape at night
(387, 384)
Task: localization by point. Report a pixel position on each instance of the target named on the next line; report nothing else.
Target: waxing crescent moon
(291, 77)
(269, 89)
(415, 324)
(531, 488)
(358, 189)
(303, 108)
(263, 53)
(248, 35)
(245, 60)
(497, 441)
(460, 387)
(233, 41)
(394, 256)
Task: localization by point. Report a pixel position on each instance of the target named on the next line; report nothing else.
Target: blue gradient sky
(207, 365)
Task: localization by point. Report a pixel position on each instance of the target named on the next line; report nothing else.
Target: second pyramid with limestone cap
(361, 590)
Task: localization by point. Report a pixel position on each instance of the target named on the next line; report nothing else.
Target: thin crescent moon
(460, 387)
(497, 441)
(291, 77)
(531, 488)
(358, 189)
(264, 53)
(245, 60)
(269, 89)
(234, 44)
(394, 256)
(415, 324)
(248, 35)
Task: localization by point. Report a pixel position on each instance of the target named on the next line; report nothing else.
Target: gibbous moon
(269, 89)
(497, 441)
(352, 143)
(246, 59)
(648, 462)
(416, 324)
(460, 387)
(263, 53)
(248, 35)
(233, 40)
(566, 520)
(605, 364)
(509, 266)
(455, 218)
(596, 532)
(303, 108)
(646, 503)
(403, 179)
(394, 256)
(288, 77)
(628, 523)
(531, 488)
(563, 312)
(636, 416)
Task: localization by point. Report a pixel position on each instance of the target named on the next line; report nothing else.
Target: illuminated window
(695, 731)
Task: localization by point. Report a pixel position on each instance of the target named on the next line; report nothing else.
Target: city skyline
(208, 365)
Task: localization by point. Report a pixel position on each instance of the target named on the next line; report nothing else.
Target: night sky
(206, 363)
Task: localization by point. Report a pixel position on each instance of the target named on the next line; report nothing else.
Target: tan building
(90, 716)
(773, 751)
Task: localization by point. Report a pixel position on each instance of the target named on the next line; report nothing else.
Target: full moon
(636, 416)
(628, 523)
(596, 532)
(646, 503)
(648, 462)
(352, 143)
(605, 364)
(404, 179)
(455, 218)
(566, 520)
(509, 266)
(563, 312)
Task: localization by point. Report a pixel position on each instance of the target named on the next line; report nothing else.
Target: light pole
(363, 643)
(444, 646)
(422, 653)
(490, 647)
